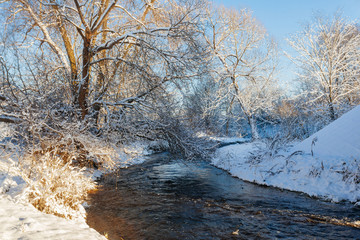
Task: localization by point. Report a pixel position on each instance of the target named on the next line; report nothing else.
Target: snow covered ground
(20, 220)
(326, 165)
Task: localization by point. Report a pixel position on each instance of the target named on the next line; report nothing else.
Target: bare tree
(328, 56)
(245, 61)
(95, 43)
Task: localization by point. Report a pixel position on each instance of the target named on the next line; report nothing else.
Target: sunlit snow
(324, 165)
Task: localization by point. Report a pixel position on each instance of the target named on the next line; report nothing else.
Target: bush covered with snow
(56, 187)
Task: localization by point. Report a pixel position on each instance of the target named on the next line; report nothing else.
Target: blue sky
(284, 17)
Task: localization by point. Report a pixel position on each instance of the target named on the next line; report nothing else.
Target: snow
(222, 139)
(339, 140)
(18, 221)
(229, 140)
(326, 165)
(128, 154)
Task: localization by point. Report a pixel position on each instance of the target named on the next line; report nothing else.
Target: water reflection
(166, 198)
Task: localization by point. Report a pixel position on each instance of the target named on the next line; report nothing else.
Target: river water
(168, 198)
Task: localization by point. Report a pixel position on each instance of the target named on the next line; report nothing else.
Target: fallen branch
(9, 119)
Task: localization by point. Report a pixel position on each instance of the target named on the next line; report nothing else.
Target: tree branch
(9, 119)
(78, 7)
(111, 43)
(100, 20)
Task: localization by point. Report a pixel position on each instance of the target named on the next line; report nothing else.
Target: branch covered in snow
(9, 119)
(111, 43)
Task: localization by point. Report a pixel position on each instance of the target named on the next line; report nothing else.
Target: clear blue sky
(284, 17)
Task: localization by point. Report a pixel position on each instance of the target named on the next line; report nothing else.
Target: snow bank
(327, 164)
(18, 221)
(339, 140)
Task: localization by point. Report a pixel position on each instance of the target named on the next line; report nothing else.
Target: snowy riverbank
(326, 165)
(20, 220)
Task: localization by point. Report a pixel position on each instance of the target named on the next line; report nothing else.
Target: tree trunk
(84, 83)
(96, 113)
(227, 127)
(254, 131)
(332, 111)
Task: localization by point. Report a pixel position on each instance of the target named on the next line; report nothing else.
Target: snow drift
(327, 164)
(339, 140)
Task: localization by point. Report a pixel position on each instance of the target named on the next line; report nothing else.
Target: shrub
(56, 187)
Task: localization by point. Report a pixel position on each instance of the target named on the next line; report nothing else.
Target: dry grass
(54, 171)
(55, 186)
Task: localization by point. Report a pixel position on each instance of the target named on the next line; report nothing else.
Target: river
(168, 198)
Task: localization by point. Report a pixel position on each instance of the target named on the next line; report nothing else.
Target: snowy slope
(329, 168)
(340, 139)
